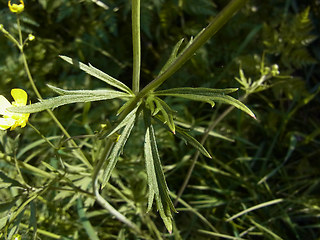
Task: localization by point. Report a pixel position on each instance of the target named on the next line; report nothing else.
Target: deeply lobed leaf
(156, 179)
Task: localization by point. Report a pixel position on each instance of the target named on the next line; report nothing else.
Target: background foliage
(275, 157)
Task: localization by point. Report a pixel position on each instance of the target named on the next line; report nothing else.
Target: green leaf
(166, 111)
(172, 57)
(174, 54)
(156, 179)
(182, 134)
(207, 95)
(195, 91)
(202, 130)
(85, 92)
(151, 105)
(81, 97)
(125, 121)
(124, 106)
(98, 74)
(116, 150)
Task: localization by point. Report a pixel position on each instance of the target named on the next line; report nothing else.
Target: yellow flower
(16, 8)
(16, 237)
(12, 120)
(31, 37)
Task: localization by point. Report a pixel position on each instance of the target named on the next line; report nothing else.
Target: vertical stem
(136, 42)
(200, 40)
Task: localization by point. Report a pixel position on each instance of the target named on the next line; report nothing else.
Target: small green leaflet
(91, 70)
(81, 97)
(108, 132)
(156, 180)
(116, 150)
(182, 134)
(206, 95)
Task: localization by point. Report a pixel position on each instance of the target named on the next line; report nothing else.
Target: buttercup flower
(16, 237)
(16, 8)
(12, 120)
(31, 37)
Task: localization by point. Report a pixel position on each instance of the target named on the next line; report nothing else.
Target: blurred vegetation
(275, 158)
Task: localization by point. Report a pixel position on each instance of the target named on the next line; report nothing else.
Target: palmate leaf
(206, 95)
(156, 180)
(81, 97)
(91, 70)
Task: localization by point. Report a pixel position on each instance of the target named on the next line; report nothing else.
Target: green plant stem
(203, 140)
(222, 18)
(99, 198)
(200, 40)
(110, 208)
(41, 135)
(114, 212)
(136, 42)
(27, 166)
(104, 157)
(41, 232)
(35, 89)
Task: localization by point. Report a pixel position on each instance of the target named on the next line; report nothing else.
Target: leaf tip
(254, 116)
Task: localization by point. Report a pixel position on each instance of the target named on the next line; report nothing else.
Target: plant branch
(200, 40)
(222, 18)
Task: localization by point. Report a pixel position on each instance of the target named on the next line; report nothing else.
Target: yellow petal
(4, 103)
(16, 8)
(6, 123)
(20, 96)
